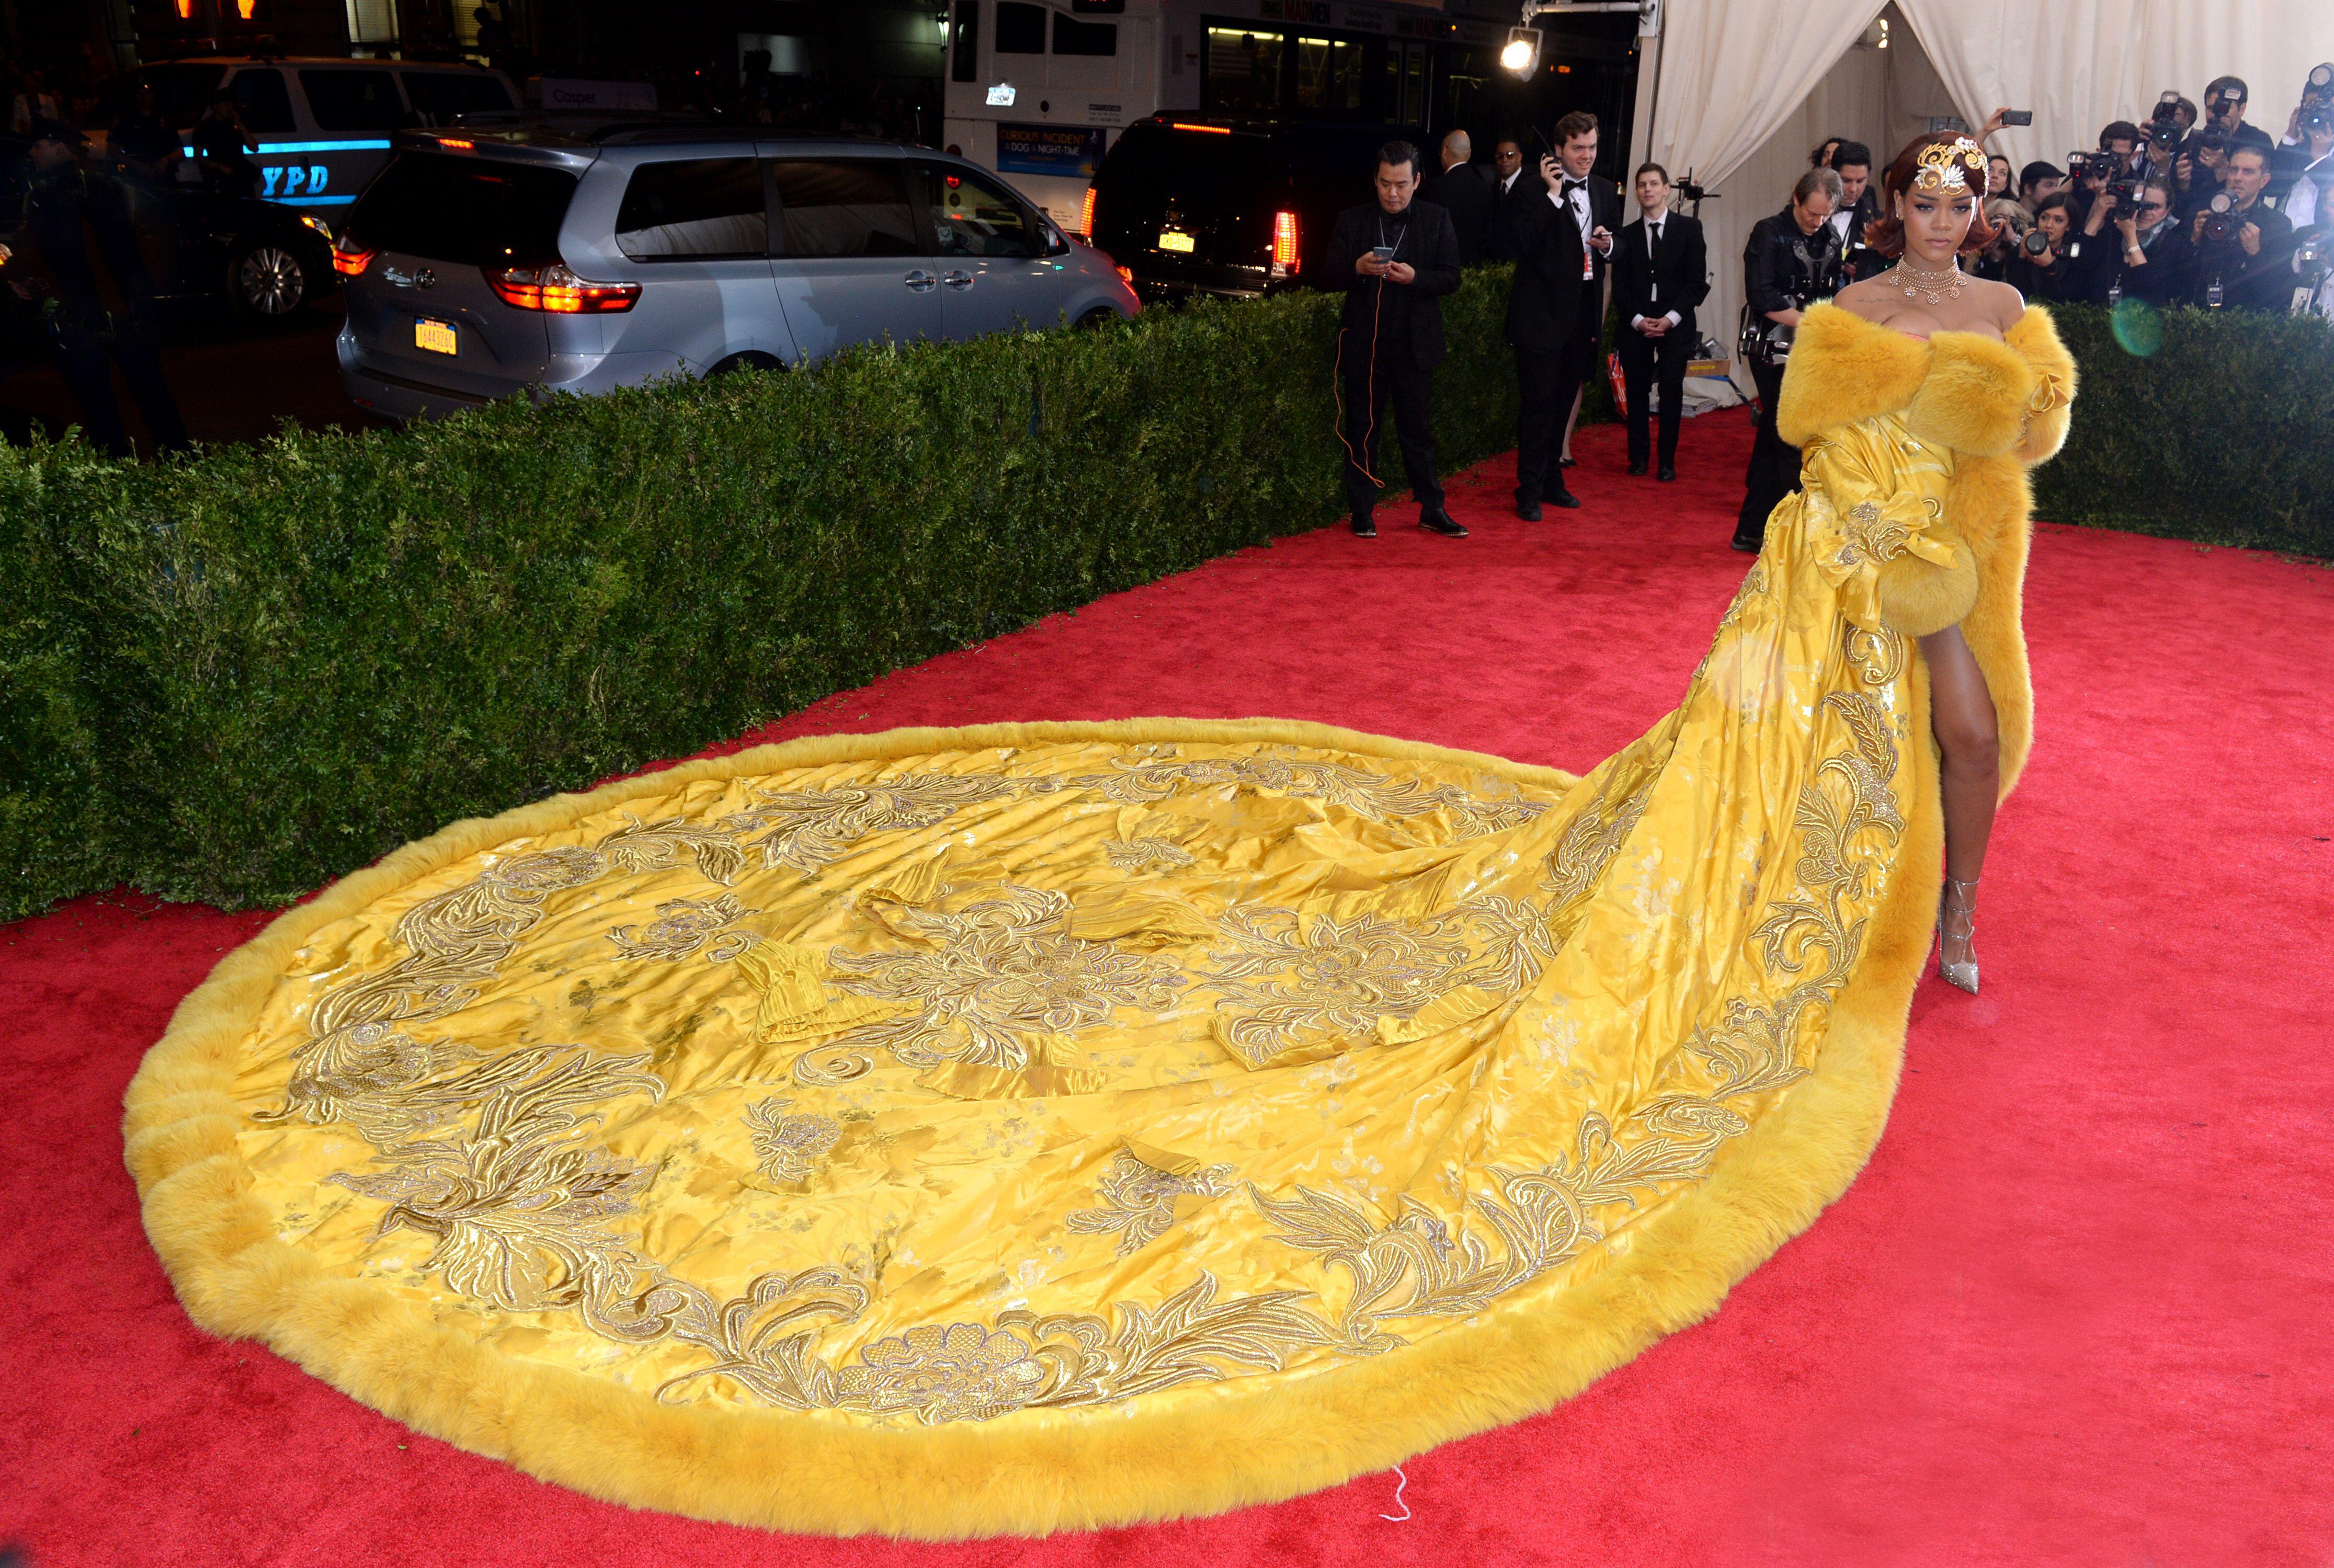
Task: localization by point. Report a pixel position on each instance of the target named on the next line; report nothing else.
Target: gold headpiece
(1945, 167)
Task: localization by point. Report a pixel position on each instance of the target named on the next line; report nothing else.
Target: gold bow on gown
(1006, 1128)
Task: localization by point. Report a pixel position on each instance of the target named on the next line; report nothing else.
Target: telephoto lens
(2035, 243)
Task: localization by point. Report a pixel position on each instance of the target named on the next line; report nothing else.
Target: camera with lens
(2318, 92)
(2317, 119)
(2222, 222)
(2163, 129)
(2035, 243)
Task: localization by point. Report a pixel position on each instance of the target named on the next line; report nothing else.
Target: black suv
(1189, 204)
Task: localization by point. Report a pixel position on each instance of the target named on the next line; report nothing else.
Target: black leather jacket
(1786, 270)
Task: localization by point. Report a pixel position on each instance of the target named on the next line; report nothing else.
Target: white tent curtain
(1731, 71)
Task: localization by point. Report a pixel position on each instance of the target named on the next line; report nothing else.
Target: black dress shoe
(1562, 497)
(1526, 508)
(1364, 525)
(1668, 473)
(1636, 470)
(1564, 462)
(1748, 547)
(1435, 520)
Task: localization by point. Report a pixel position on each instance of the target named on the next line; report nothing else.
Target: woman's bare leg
(1969, 735)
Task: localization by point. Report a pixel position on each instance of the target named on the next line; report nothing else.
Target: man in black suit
(1544, 305)
(1858, 206)
(1594, 205)
(1660, 274)
(1509, 185)
(1395, 258)
(1461, 191)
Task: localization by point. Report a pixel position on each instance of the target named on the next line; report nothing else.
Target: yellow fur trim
(1918, 597)
(1844, 367)
(1031, 1472)
(2036, 337)
(1974, 398)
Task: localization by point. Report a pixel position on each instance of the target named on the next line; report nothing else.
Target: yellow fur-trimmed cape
(2002, 408)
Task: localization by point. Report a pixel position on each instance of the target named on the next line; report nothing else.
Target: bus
(1038, 90)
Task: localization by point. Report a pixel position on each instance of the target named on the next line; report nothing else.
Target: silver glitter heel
(1963, 974)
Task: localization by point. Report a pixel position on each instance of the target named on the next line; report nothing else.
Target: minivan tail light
(1284, 260)
(349, 260)
(1085, 213)
(556, 289)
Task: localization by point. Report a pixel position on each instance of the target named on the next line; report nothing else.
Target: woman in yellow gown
(1036, 1127)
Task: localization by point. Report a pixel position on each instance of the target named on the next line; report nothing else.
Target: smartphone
(1384, 253)
(2016, 117)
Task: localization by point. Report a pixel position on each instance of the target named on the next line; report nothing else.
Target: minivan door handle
(957, 280)
(921, 281)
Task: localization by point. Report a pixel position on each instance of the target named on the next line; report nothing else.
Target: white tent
(1740, 91)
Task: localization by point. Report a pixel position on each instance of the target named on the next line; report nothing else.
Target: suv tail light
(1284, 260)
(350, 259)
(556, 289)
(1085, 213)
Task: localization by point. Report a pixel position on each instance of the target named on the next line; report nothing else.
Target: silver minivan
(547, 254)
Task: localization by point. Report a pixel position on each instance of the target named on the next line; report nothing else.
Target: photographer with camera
(2224, 112)
(2245, 248)
(2301, 171)
(1792, 260)
(2046, 267)
(2136, 247)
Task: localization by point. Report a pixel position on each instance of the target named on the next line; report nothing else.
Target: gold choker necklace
(1936, 288)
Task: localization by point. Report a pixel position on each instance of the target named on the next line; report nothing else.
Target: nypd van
(323, 125)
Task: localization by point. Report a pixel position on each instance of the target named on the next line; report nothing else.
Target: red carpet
(2075, 1312)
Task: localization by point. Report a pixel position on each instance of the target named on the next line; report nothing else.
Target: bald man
(1462, 191)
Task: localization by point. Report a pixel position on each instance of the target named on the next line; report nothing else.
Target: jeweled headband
(1944, 167)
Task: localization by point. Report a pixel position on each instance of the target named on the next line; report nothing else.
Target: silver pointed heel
(1962, 972)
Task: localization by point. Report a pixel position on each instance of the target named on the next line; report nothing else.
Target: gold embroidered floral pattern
(683, 926)
(1140, 855)
(810, 829)
(790, 1144)
(1287, 980)
(985, 977)
(1142, 781)
(1138, 1200)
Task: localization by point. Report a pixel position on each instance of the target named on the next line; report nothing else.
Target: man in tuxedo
(1461, 191)
(1594, 205)
(1660, 274)
(1858, 206)
(1395, 258)
(1544, 303)
(1508, 185)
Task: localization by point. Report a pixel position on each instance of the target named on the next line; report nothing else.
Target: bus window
(1243, 71)
(964, 63)
(1020, 28)
(1330, 74)
(1075, 37)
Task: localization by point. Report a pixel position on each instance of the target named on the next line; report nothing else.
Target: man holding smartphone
(1395, 258)
(1592, 203)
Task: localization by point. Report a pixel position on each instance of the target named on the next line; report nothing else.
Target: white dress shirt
(1584, 219)
(1653, 238)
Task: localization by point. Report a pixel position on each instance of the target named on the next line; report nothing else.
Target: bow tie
(1572, 185)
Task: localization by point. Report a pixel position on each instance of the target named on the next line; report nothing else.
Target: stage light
(1521, 55)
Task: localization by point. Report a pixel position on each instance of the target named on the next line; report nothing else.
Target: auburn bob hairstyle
(1886, 234)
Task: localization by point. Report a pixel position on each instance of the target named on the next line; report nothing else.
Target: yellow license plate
(1170, 240)
(438, 337)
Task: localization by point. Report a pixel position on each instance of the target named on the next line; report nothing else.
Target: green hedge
(233, 678)
(2210, 425)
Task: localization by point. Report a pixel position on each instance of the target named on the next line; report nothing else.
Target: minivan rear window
(694, 207)
(463, 210)
(441, 96)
